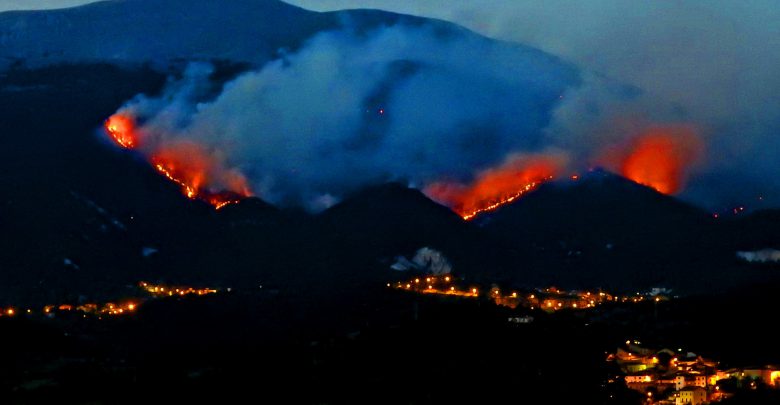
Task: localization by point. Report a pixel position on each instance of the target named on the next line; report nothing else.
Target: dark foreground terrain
(378, 346)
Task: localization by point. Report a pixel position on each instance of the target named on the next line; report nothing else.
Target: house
(691, 396)
(689, 380)
(768, 375)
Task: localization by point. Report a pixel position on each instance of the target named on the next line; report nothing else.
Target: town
(548, 299)
(679, 377)
(124, 307)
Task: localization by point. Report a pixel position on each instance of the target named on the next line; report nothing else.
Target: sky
(6, 5)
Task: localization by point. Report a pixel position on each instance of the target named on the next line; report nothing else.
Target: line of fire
(122, 307)
(676, 377)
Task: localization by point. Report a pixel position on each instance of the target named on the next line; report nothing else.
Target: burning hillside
(660, 158)
(201, 173)
(494, 187)
(122, 130)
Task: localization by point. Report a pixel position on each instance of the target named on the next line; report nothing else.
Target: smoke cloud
(711, 64)
(413, 104)
(401, 103)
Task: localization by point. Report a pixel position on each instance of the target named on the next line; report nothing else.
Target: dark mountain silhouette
(141, 31)
(606, 230)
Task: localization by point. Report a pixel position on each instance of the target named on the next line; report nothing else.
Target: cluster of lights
(435, 285)
(110, 308)
(681, 373)
(548, 299)
(161, 290)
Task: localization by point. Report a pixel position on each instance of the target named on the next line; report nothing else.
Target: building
(638, 378)
(768, 375)
(683, 380)
(691, 396)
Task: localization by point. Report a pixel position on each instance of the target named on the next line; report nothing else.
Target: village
(122, 307)
(679, 377)
(661, 376)
(548, 299)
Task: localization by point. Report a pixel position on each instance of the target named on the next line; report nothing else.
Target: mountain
(391, 219)
(161, 31)
(138, 31)
(79, 218)
(754, 231)
(599, 209)
(609, 231)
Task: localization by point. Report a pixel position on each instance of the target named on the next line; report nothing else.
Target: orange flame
(122, 130)
(518, 175)
(190, 165)
(661, 157)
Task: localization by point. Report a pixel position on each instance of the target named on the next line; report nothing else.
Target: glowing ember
(121, 128)
(660, 158)
(492, 188)
(198, 171)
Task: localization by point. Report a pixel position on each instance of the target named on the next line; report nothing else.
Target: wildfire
(122, 130)
(518, 175)
(197, 170)
(661, 157)
(192, 167)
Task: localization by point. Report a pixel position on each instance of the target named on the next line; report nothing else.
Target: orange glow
(558, 299)
(201, 173)
(122, 130)
(494, 187)
(159, 291)
(192, 167)
(661, 158)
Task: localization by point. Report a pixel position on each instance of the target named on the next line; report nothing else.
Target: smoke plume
(471, 121)
(400, 103)
(711, 64)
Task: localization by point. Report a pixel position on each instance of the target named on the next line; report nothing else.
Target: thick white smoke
(713, 61)
(402, 103)
(426, 260)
